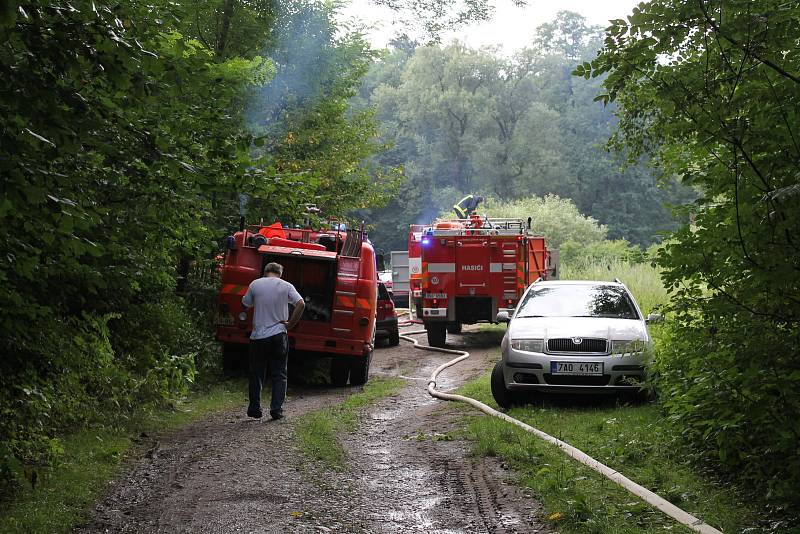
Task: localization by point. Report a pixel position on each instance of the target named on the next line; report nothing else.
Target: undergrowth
(57, 497)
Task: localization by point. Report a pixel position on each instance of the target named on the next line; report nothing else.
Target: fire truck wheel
(340, 371)
(437, 334)
(504, 398)
(394, 339)
(234, 358)
(454, 328)
(359, 371)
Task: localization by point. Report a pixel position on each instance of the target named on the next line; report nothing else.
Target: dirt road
(232, 474)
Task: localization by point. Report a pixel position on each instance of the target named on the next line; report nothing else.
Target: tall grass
(642, 279)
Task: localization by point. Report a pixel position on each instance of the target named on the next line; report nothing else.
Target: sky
(511, 27)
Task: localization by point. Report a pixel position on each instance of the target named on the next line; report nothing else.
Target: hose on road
(681, 516)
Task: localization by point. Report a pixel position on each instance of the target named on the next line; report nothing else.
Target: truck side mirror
(380, 262)
(503, 317)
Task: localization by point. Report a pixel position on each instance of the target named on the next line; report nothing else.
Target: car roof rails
(617, 280)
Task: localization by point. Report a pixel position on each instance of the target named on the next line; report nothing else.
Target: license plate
(576, 368)
(225, 320)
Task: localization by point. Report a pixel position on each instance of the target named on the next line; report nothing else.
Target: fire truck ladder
(510, 267)
(352, 244)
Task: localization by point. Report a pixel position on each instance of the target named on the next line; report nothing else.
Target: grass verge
(61, 498)
(634, 440)
(317, 431)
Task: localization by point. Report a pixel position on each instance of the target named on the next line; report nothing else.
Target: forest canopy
(463, 121)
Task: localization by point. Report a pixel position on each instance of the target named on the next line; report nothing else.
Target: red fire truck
(333, 269)
(472, 269)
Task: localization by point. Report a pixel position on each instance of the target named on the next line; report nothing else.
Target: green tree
(712, 91)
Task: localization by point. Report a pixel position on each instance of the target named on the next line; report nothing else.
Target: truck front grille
(569, 345)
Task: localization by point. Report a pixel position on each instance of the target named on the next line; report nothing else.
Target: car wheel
(359, 369)
(502, 396)
(437, 334)
(340, 371)
(454, 328)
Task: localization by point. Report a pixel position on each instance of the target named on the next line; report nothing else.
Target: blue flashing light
(426, 241)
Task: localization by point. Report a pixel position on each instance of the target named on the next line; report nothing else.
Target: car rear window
(578, 300)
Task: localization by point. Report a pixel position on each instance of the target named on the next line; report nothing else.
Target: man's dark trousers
(271, 353)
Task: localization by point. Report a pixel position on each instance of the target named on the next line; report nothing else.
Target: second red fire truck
(472, 269)
(333, 269)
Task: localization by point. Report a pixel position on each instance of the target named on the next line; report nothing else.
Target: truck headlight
(527, 345)
(242, 316)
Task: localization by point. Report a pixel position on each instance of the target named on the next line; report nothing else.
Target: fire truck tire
(234, 358)
(394, 339)
(418, 308)
(359, 370)
(504, 398)
(454, 328)
(340, 371)
(437, 334)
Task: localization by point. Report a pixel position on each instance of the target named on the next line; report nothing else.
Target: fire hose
(679, 515)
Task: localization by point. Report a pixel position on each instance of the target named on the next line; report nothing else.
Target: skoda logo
(577, 340)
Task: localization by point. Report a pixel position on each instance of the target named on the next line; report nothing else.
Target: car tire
(340, 371)
(437, 334)
(454, 328)
(359, 369)
(502, 396)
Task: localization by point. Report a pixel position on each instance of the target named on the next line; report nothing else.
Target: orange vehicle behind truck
(335, 272)
(475, 268)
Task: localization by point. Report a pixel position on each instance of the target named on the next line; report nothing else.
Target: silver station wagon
(572, 337)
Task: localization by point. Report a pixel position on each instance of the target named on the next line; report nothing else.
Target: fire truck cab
(335, 272)
(473, 269)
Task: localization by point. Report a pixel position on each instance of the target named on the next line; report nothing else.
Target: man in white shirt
(269, 343)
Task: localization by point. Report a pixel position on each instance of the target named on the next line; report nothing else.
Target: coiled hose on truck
(679, 515)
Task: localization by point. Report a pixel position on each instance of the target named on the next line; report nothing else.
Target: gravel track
(406, 473)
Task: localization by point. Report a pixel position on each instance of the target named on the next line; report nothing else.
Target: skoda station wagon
(572, 337)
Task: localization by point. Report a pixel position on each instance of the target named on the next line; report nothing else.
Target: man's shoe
(256, 414)
(276, 415)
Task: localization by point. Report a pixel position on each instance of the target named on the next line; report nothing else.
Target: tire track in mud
(405, 472)
(423, 480)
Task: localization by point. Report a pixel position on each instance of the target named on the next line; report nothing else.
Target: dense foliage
(471, 121)
(712, 90)
(126, 132)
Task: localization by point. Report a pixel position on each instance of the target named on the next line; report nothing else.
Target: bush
(730, 387)
(558, 219)
(576, 253)
(91, 369)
